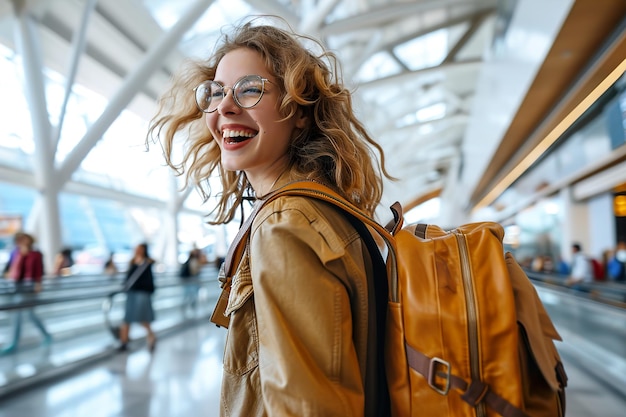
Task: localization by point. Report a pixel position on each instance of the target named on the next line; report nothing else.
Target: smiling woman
(263, 112)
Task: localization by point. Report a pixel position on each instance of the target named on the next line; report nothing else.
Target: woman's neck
(263, 186)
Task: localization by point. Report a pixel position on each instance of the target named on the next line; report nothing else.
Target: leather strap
(315, 190)
(321, 192)
(233, 257)
(377, 320)
(378, 283)
(420, 230)
(235, 250)
(474, 393)
(562, 377)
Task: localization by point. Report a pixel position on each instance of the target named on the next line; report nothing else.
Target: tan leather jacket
(297, 340)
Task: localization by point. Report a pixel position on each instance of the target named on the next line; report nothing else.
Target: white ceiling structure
(433, 83)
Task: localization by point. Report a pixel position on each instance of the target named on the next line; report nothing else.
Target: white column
(28, 46)
(602, 223)
(574, 224)
(451, 213)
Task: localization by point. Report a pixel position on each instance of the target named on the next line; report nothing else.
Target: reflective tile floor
(589, 397)
(182, 378)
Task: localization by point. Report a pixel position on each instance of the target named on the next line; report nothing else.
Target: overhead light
(552, 137)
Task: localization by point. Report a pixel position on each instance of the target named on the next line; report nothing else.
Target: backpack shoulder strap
(378, 283)
(324, 193)
(320, 192)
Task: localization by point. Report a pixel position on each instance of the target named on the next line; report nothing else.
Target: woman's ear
(301, 119)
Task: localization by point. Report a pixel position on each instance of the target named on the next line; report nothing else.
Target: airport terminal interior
(511, 111)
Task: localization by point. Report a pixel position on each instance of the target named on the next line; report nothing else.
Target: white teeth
(237, 133)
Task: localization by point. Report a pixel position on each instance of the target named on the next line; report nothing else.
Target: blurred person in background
(581, 271)
(616, 265)
(13, 253)
(26, 270)
(139, 289)
(63, 263)
(189, 272)
(110, 269)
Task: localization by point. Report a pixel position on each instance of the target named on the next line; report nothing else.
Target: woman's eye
(251, 90)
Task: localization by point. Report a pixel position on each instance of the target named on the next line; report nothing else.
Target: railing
(607, 292)
(79, 314)
(7, 287)
(593, 332)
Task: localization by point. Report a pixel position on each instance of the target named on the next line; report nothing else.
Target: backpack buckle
(433, 374)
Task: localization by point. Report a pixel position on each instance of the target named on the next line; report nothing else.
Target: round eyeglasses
(247, 93)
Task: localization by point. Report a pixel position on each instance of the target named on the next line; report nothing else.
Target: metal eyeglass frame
(233, 89)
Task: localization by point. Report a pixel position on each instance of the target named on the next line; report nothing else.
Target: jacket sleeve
(37, 266)
(307, 360)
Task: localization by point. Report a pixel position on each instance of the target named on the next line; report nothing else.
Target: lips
(236, 136)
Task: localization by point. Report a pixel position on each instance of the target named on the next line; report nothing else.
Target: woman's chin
(229, 165)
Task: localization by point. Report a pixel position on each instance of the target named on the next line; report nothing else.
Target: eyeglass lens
(247, 92)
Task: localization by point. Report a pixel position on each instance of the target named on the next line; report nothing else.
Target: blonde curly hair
(334, 148)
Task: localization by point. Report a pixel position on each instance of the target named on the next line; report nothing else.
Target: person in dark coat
(139, 290)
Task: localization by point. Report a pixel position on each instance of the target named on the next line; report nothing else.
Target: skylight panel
(425, 51)
(379, 65)
(203, 35)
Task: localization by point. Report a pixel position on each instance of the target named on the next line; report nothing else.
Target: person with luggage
(139, 289)
(260, 113)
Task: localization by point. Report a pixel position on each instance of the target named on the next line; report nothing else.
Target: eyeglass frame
(232, 89)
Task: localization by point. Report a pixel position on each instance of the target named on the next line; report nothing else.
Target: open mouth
(236, 136)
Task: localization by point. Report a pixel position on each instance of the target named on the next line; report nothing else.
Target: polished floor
(182, 377)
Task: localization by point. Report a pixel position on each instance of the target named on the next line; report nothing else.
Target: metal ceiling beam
(132, 84)
(79, 41)
(376, 45)
(404, 76)
(448, 119)
(446, 24)
(382, 15)
(476, 23)
(26, 179)
(108, 43)
(275, 8)
(312, 22)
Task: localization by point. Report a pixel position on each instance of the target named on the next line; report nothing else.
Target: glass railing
(79, 313)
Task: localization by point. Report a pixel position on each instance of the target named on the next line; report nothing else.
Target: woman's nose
(228, 104)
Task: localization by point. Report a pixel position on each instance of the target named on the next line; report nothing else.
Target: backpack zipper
(472, 315)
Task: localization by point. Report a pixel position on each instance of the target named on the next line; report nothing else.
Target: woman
(26, 270)
(139, 289)
(260, 113)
